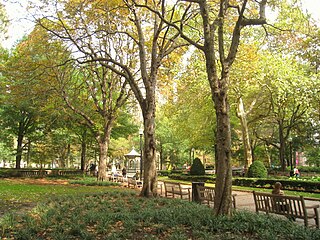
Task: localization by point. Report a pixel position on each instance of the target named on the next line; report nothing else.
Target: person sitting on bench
(277, 189)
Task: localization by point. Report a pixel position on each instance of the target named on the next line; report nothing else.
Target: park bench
(69, 172)
(206, 195)
(116, 178)
(175, 189)
(32, 173)
(290, 206)
(133, 182)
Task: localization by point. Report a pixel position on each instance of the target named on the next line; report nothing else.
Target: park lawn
(17, 194)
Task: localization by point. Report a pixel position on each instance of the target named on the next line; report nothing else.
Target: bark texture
(242, 115)
(103, 146)
(149, 188)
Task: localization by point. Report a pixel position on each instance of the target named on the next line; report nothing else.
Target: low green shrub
(164, 172)
(197, 167)
(176, 171)
(310, 185)
(39, 172)
(9, 172)
(308, 169)
(314, 179)
(257, 170)
(193, 178)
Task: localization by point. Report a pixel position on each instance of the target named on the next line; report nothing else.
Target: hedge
(287, 184)
(193, 178)
(36, 172)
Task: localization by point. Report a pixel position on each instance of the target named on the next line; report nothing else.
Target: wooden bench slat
(133, 182)
(173, 189)
(206, 195)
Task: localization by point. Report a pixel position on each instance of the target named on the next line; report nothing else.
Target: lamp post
(290, 149)
(141, 165)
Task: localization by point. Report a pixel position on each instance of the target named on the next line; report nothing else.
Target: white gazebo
(133, 161)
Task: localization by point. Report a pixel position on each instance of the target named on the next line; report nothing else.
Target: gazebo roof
(132, 154)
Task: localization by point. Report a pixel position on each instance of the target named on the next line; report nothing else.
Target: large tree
(128, 48)
(222, 22)
(153, 46)
(248, 94)
(22, 105)
(145, 41)
(290, 92)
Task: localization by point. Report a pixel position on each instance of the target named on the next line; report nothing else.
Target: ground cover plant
(118, 213)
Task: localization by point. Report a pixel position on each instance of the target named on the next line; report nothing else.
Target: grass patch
(17, 194)
(121, 214)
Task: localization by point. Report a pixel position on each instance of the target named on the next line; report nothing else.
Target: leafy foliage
(3, 21)
(257, 170)
(313, 156)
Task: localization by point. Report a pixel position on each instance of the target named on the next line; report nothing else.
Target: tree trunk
(222, 200)
(62, 158)
(214, 49)
(83, 151)
(102, 175)
(19, 146)
(282, 148)
(245, 135)
(68, 158)
(28, 153)
(149, 188)
(83, 154)
(161, 156)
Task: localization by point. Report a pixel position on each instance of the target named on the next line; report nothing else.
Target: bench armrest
(313, 206)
